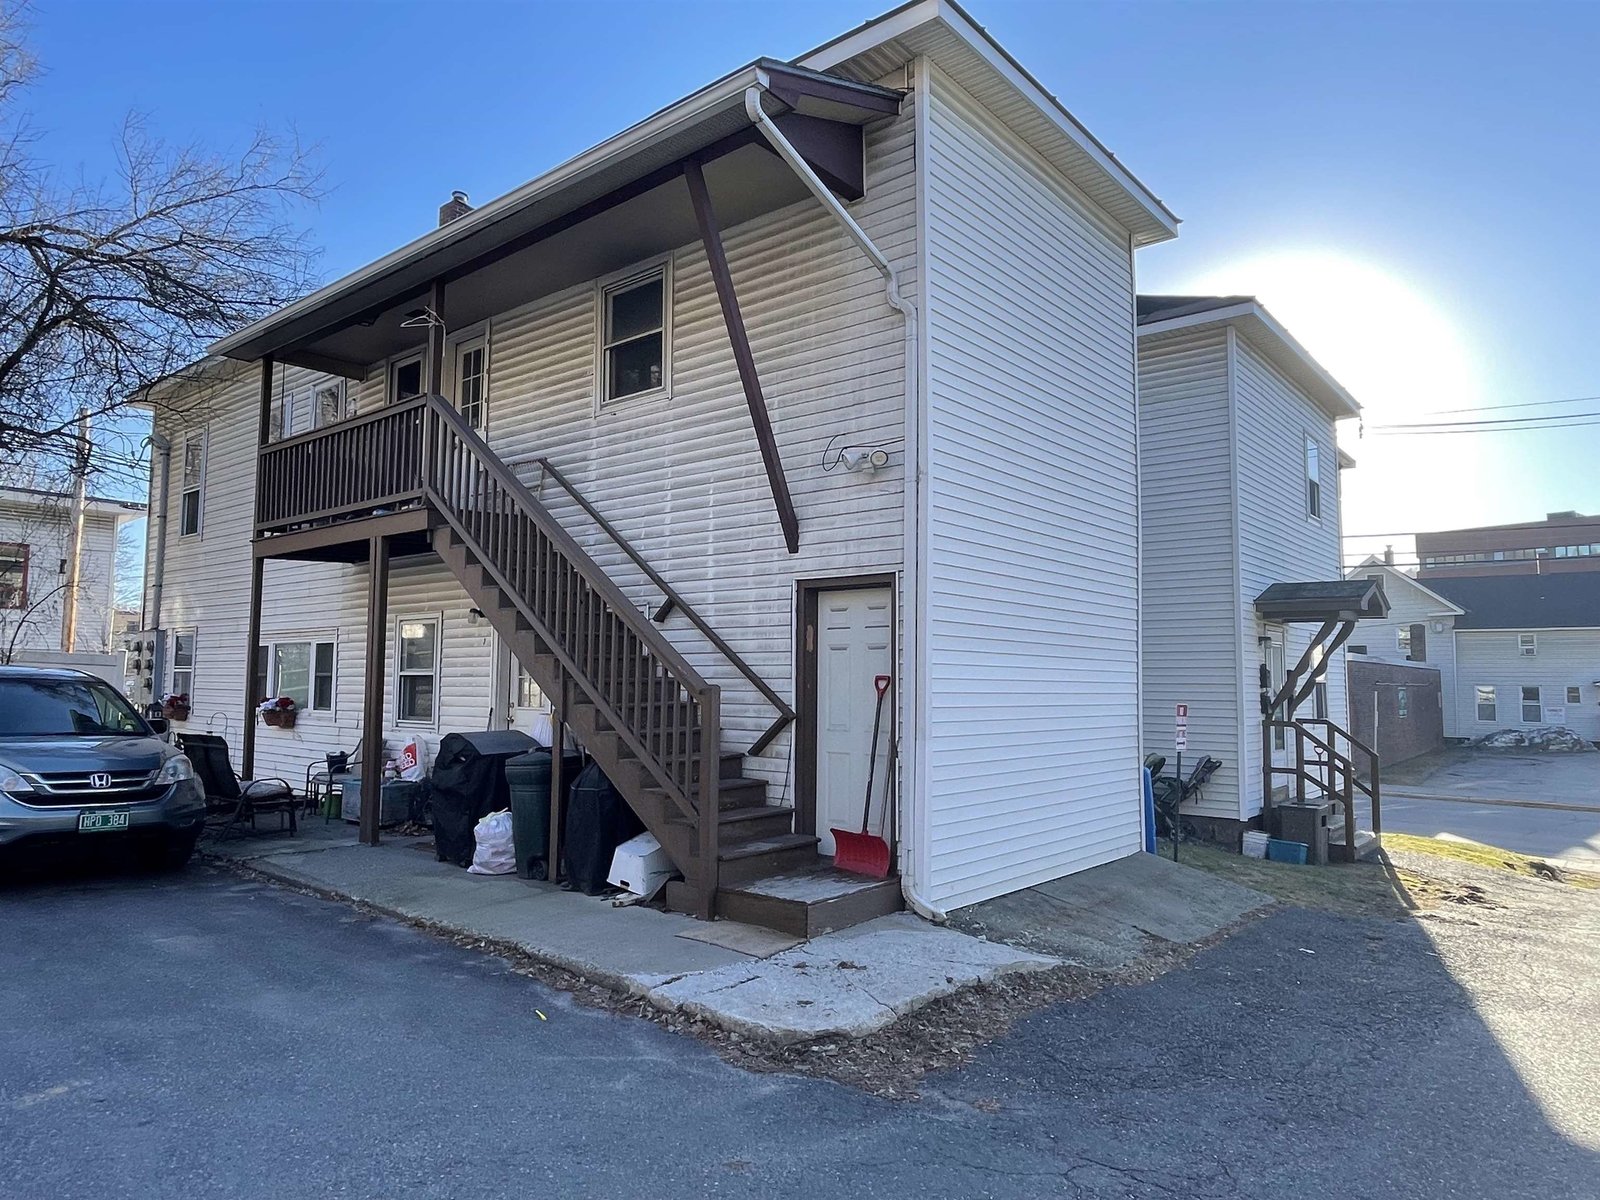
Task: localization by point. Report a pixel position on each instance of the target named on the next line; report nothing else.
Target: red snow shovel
(863, 853)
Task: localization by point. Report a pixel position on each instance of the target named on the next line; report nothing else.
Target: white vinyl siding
(681, 479)
(1277, 543)
(44, 528)
(1189, 597)
(1031, 624)
(1410, 605)
(1493, 658)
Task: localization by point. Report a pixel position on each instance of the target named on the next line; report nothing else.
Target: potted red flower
(175, 706)
(279, 713)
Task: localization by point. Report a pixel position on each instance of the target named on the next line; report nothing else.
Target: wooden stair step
(751, 820)
(805, 903)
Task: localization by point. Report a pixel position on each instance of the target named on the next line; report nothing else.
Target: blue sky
(1407, 186)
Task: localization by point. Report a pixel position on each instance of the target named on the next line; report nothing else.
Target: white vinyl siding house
(1227, 510)
(1389, 640)
(1032, 584)
(1493, 658)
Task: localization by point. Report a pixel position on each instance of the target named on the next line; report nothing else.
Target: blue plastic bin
(1279, 850)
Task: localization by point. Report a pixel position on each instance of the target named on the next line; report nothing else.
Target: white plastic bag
(413, 760)
(494, 854)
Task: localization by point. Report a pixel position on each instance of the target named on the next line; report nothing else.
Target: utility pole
(80, 495)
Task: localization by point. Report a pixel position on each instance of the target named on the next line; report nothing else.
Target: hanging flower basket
(175, 707)
(279, 713)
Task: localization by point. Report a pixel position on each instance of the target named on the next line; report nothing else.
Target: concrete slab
(850, 983)
(1103, 917)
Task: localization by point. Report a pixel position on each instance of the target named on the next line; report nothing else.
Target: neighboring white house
(35, 542)
(1527, 652)
(1420, 628)
(901, 254)
(1240, 490)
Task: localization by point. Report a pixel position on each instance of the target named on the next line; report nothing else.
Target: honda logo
(100, 780)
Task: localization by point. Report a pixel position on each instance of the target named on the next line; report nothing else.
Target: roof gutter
(910, 884)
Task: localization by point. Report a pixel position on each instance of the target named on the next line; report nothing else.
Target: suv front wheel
(171, 853)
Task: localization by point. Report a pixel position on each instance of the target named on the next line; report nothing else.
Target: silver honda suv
(77, 763)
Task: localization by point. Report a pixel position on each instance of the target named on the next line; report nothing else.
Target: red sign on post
(1181, 728)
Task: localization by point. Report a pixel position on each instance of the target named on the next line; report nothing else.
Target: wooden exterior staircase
(1324, 771)
(641, 711)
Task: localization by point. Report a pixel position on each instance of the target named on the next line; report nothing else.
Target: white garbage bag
(413, 762)
(495, 854)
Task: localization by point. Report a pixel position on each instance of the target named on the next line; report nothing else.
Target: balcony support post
(375, 672)
(252, 644)
(436, 334)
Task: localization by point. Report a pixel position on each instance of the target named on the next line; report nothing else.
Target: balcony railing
(368, 462)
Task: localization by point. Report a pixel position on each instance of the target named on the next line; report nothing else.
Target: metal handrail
(674, 599)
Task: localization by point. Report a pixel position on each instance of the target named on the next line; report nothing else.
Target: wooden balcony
(319, 482)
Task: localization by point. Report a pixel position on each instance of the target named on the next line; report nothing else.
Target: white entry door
(855, 645)
(519, 704)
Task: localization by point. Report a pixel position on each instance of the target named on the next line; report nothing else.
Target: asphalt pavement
(207, 1035)
(1570, 836)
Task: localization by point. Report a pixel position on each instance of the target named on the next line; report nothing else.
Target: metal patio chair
(231, 801)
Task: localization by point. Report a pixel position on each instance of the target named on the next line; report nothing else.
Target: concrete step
(806, 902)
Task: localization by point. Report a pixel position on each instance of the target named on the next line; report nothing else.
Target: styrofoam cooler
(640, 866)
(1255, 843)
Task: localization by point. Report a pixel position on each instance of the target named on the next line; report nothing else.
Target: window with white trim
(1485, 701)
(1532, 709)
(1402, 640)
(1574, 695)
(405, 377)
(194, 481)
(183, 644)
(1313, 479)
(302, 669)
(472, 381)
(331, 402)
(636, 335)
(14, 574)
(417, 671)
(529, 693)
(1528, 644)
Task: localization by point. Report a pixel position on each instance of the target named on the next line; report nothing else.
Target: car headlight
(11, 782)
(175, 770)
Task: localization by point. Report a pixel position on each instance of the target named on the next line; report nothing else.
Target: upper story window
(472, 382)
(194, 479)
(405, 378)
(1528, 644)
(13, 575)
(331, 402)
(1313, 480)
(636, 335)
(1402, 640)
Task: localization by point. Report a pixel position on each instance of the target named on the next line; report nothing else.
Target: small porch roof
(1323, 600)
(626, 193)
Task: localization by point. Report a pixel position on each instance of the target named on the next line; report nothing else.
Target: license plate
(100, 822)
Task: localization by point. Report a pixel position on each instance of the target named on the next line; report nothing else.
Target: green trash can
(528, 779)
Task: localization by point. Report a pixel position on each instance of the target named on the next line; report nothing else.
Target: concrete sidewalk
(739, 977)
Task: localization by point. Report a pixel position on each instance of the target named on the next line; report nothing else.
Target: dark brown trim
(326, 363)
(805, 659)
(341, 533)
(252, 640)
(376, 678)
(795, 88)
(436, 332)
(835, 152)
(705, 216)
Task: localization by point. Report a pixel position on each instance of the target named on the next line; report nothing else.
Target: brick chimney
(1388, 556)
(456, 206)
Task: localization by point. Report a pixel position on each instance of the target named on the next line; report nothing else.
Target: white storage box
(641, 866)
(1255, 844)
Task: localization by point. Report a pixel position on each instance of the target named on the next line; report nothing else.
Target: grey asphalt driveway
(203, 1035)
(1571, 838)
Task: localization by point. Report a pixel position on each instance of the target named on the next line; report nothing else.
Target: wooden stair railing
(666, 715)
(673, 599)
(1335, 775)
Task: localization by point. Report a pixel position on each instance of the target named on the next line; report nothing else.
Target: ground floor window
(1485, 703)
(417, 671)
(183, 662)
(301, 669)
(1574, 695)
(13, 575)
(529, 694)
(1532, 709)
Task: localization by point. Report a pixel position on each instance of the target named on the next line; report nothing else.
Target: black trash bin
(598, 821)
(528, 779)
(467, 783)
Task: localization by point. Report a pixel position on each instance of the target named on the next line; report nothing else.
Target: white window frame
(436, 619)
(346, 407)
(1575, 695)
(1493, 701)
(393, 364)
(1402, 639)
(1528, 645)
(1537, 702)
(311, 640)
(1313, 473)
(460, 346)
(609, 286)
(193, 634)
(199, 489)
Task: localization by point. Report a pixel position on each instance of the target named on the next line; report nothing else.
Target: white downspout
(909, 884)
(157, 563)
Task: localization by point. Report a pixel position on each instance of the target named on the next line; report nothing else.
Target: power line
(1530, 527)
(1445, 412)
(1554, 419)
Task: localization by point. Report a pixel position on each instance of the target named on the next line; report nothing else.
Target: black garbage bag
(467, 783)
(598, 821)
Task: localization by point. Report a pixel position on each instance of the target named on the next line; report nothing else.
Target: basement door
(855, 644)
(519, 704)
